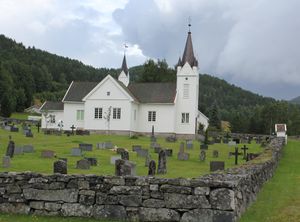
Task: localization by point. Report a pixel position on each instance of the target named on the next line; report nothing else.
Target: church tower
(187, 87)
(124, 75)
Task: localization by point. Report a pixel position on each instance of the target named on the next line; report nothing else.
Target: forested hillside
(28, 73)
(295, 100)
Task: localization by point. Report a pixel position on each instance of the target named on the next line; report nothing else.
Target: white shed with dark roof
(122, 107)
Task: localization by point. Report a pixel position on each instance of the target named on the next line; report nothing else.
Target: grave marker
(142, 153)
(182, 155)
(169, 152)
(236, 155)
(136, 147)
(124, 168)
(86, 147)
(217, 165)
(152, 168)
(215, 153)
(60, 166)
(18, 150)
(244, 148)
(76, 152)
(113, 159)
(10, 149)
(83, 164)
(93, 161)
(202, 155)
(47, 154)
(6, 162)
(28, 149)
(124, 155)
(162, 163)
(231, 143)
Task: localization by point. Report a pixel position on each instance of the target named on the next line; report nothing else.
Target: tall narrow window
(98, 113)
(151, 116)
(52, 118)
(185, 117)
(80, 114)
(186, 91)
(116, 113)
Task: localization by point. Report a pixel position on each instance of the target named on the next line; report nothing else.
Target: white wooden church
(122, 107)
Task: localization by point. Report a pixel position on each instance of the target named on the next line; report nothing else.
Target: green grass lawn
(279, 200)
(62, 146)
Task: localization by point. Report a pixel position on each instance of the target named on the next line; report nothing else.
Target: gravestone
(157, 149)
(236, 155)
(215, 153)
(28, 149)
(60, 166)
(202, 155)
(47, 154)
(152, 168)
(124, 155)
(244, 148)
(136, 147)
(14, 129)
(93, 161)
(105, 145)
(10, 149)
(162, 163)
(217, 165)
(142, 153)
(169, 152)
(189, 144)
(86, 147)
(124, 168)
(7, 128)
(147, 160)
(29, 134)
(25, 131)
(203, 147)
(72, 128)
(182, 155)
(171, 139)
(114, 158)
(231, 143)
(83, 164)
(76, 152)
(120, 150)
(18, 150)
(6, 162)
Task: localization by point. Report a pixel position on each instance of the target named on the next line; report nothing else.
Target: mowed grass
(62, 146)
(279, 200)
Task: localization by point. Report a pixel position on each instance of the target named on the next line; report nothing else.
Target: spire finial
(190, 20)
(125, 47)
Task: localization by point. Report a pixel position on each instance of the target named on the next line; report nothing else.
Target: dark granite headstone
(86, 147)
(120, 150)
(14, 129)
(10, 149)
(202, 155)
(60, 166)
(47, 154)
(124, 168)
(169, 152)
(93, 161)
(217, 165)
(83, 164)
(6, 162)
(152, 168)
(162, 163)
(124, 155)
(215, 153)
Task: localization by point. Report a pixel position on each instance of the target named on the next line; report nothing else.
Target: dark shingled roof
(153, 92)
(48, 105)
(79, 90)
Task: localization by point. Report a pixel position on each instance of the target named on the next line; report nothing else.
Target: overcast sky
(251, 43)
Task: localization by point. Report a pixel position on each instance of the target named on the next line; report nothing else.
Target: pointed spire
(179, 62)
(124, 65)
(188, 55)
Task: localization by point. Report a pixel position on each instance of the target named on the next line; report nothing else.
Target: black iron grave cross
(244, 148)
(236, 154)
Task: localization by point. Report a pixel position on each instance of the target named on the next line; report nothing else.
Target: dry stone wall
(211, 198)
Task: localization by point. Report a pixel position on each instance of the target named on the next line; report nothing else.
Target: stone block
(52, 206)
(67, 195)
(198, 215)
(175, 189)
(158, 214)
(76, 210)
(201, 190)
(110, 211)
(185, 201)
(39, 205)
(222, 199)
(154, 203)
(131, 200)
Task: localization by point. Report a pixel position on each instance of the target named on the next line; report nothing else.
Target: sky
(253, 44)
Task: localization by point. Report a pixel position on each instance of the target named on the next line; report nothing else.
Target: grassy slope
(279, 199)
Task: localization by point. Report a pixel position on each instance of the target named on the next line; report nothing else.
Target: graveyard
(39, 152)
